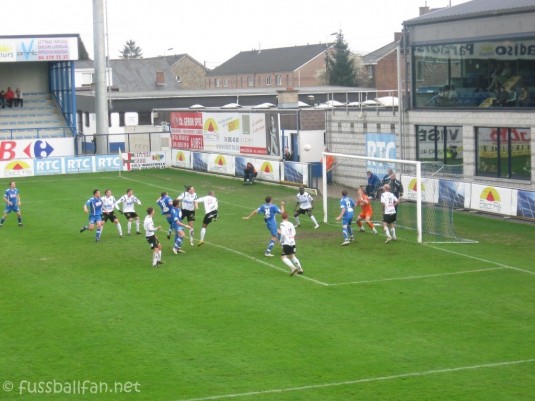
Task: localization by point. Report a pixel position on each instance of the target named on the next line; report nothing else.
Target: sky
(213, 31)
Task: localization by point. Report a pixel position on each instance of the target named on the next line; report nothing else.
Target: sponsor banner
(444, 192)
(429, 189)
(295, 173)
(509, 50)
(39, 49)
(525, 201)
(381, 146)
(36, 148)
(80, 164)
(199, 161)
(221, 164)
(492, 200)
(48, 166)
(146, 160)
(181, 158)
(16, 168)
(226, 133)
(268, 170)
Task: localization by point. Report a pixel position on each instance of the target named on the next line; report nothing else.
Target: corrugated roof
(270, 60)
(473, 9)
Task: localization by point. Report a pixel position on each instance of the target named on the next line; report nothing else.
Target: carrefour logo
(490, 200)
(38, 150)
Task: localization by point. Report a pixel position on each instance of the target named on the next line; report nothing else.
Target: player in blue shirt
(93, 207)
(166, 204)
(269, 211)
(178, 227)
(347, 207)
(12, 200)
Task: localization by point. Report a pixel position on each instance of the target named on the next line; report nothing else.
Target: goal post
(350, 171)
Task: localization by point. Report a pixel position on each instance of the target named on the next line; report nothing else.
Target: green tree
(341, 66)
(131, 50)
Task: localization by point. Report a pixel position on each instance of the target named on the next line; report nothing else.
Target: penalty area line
(364, 380)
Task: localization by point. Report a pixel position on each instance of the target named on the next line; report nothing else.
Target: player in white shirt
(187, 206)
(389, 203)
(129, 201)
(287, 239)
(305, 204)
(152, 239)
(109, 204)
(210, 212)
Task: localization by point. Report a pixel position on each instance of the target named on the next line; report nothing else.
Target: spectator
(9, 97)
(511, 98)
(373, 183)
(396, 187)
(386, 178)
(249, 173)
(3, 99)
(19, 101)
(523, 97)
(287, 155)
(453, 96)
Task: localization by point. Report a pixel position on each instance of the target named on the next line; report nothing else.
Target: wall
(29, 77)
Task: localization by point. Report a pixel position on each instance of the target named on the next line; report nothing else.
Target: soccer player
(178, 227)
(287, 239)
(93, 207)
(389, 203)
(188, 207)
(269, 211)
(347, 206)
(210, 212)
(129, 200)
(305, 204)
(13, 203)
(366, 210)
(152, 239)
(166, 203)
(108, 211)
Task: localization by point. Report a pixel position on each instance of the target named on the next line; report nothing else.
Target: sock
(159, 255)
(359, 224)
(137, 225)
(297, 222)
(120, 229)
(19, 219)
(203, 233)
(314, 220)
(350, 231)
(346, 236)
(270, 246)
(387, 232)
(191, 233)
(98, 233)
(178, 241)
(393, 231)
(129, 227)
(154, 258)
(288, 263)
(2, 221)
(296, 263)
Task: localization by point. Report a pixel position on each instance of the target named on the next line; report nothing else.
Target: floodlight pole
(101, 103)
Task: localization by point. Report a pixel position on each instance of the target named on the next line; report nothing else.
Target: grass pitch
(371, 321)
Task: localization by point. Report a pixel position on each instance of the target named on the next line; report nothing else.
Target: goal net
(430, 194)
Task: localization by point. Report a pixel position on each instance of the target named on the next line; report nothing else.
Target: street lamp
(168, 50)
(327, 59)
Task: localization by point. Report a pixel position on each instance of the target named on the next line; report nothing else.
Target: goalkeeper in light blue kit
(269, 211)
(93, 207)
(347, 207)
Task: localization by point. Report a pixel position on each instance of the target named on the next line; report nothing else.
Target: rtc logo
(39, 150)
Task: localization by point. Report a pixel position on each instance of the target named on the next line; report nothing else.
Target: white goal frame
(418, 171)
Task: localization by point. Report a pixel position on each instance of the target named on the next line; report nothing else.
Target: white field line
(364, 380)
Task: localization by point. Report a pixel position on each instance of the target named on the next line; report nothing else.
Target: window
(87, 78)
(268, 80)
(469, 75)
(278, 80)
(218, 83)
(225, 82)
(503, 152)
(440, 144)
(250, 80)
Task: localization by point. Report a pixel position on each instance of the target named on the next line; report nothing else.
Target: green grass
(365, 322)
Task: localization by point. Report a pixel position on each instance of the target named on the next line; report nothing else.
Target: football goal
(431, 193)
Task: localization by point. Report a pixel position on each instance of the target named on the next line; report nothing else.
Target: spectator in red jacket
(9, 97)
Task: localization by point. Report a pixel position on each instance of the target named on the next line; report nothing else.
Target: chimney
(424, 10)
(397, 36)
(160, 78)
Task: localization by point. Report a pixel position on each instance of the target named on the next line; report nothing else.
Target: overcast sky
(212, 31)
